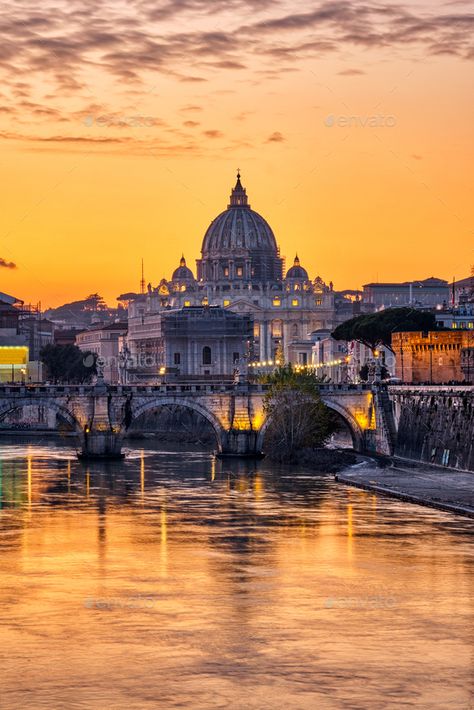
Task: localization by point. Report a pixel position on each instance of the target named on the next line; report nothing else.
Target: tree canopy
(68, 363)
(298, 418)
(375, 329)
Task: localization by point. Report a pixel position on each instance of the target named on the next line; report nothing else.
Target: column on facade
(231, 269)
(263, 340)
(269, 340)
(248, 269)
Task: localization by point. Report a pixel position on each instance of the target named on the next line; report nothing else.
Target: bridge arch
(356, 431)
(188, 404)
(6, 407)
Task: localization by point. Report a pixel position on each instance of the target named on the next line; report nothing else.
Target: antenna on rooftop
(142, 280)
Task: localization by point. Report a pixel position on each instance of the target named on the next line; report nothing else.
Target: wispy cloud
(71, 50)
(4, 264)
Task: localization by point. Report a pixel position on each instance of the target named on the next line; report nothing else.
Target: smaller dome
(297, 271)
(182, 273)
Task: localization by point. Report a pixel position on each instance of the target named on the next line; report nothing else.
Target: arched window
(277, 330)
(206, 355)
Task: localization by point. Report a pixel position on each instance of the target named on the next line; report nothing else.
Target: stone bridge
(102, 414)
(423, 423)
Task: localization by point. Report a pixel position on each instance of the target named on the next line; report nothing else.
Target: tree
(68, 363)
(298, 417)
(375, 329)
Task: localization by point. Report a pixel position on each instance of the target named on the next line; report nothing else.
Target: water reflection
(173, 579)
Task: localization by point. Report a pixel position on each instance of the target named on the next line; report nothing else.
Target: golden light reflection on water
(179, 593)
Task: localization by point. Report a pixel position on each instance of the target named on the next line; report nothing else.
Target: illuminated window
(277, 329)
(297, 287)
(277, 301)
(226, 302)
(187, 304)
(256, 330)
(226, 271)
(295, 302)
(182, 287)
(205, 301)
(319, 302)
(240, 271)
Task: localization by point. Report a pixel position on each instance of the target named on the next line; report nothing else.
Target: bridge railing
(168, 388)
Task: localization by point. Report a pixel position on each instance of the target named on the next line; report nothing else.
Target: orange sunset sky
(122, 123)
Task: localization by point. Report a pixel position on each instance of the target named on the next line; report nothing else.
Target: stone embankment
(447, 490)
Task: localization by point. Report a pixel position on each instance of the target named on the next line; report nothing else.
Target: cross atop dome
(238, 197)
(182, 261)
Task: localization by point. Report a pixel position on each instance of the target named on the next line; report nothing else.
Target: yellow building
(14, 363)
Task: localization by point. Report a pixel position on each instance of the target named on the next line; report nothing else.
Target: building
(461, 317)
(14, 353)
(38, 332)
(434, 357)
(342, 361)
(240, 270)
(432, 293)
(104, 341)
(329, 356)
(202, 341)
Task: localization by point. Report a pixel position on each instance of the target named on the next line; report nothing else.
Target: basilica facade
(240, 270)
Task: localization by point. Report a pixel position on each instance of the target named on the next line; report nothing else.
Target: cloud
(7, 264)
(213, 133)
(191, 124)
(71, 53)
(350, 72)
(276, 137)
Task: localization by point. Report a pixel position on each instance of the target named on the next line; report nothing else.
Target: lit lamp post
(430, 347)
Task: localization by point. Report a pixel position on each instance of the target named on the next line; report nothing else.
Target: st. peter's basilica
(240, 270)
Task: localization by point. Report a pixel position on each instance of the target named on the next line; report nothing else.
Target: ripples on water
(172, 580)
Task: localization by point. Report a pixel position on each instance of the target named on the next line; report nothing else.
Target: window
(303, 358)
(226, 302)
(187, 304)
(206, 355)
(256, 330)
(295, 329)
(182, 287)
(205, 301)
(240, 271)
(295, 302)
(319, 302)
(235, 357)
(177, 358)
(277, 329)
(297, 287)
(226, 270)
(277, 301)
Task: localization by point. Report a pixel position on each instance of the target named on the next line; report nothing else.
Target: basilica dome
(239, 228)
(297, 271)
(183, 272)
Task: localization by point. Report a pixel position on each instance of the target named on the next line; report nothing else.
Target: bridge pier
(240, 443)
(97, 444)
(99, 439)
